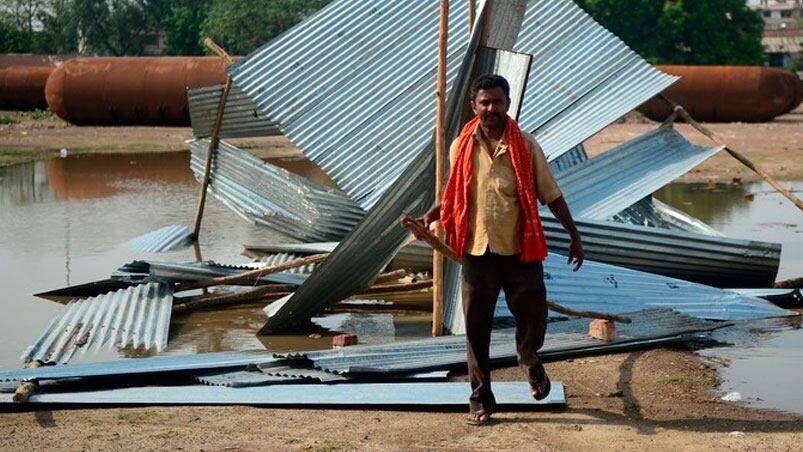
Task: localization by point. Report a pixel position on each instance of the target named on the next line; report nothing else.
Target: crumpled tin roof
(271, 196)
(603, 186)
(241, 117)
(138, 316)
(348, 84)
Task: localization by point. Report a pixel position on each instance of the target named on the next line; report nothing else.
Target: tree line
(127, 27)
(662, 31)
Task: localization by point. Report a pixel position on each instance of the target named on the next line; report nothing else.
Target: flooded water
(66, 221)
(768, 217)
(762, 360)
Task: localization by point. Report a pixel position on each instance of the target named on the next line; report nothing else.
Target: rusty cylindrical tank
(129, 90)
(23, 87)
(728, 93)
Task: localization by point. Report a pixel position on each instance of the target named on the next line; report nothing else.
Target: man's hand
(430, 217)
(576, 253)
(561, 212)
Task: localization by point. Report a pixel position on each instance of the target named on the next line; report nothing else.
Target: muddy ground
(662, 399)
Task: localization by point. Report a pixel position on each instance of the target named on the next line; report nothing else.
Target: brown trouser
(523, 284)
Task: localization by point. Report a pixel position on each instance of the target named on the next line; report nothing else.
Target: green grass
(14, 156)
(331, 445)
(5, 120)
(686, 380)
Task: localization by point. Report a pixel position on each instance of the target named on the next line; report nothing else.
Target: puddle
(66, 221)
(768, 217)
(762, 360)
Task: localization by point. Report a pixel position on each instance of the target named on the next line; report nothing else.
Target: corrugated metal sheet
(280, 258)
(376, 394)
(323, 92)
(163, 240)
(243, 378)
(139, 366)
(713, 260)
(138, 317)
(174, 272)
(563, 339)
(241, 117)
(348, 84)
(575, 156)
(194, 271)
(606, 288)
(586, 77)
(271, 196)
(285, 374)
(652, 212)
(600, 188)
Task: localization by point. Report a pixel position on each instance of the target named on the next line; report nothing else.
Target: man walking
(491, 219)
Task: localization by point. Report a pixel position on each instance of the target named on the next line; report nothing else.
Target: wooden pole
(251, 276)
(440, 166)
(213, 140)
(267, 293)
(738, 156)
(27, 388)
(472, 16)
(422, 233)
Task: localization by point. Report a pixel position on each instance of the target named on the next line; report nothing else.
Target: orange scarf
(455, 205)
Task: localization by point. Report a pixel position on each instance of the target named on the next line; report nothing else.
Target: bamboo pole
(738, 156)
(390, 276)
(440, 165)
(472, 16)
(251, 276)
(27, 388)
(268, 293)
(417, 228)
(213, 140)
(793, 283)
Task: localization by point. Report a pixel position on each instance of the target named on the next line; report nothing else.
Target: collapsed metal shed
(324, 96)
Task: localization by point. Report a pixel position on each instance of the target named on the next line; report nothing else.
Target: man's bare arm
(560, 209)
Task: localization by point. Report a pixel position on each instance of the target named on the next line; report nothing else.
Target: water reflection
(768, 217)
(761, 360)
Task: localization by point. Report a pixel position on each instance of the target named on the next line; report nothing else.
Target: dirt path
(776, 146)
(663, 399)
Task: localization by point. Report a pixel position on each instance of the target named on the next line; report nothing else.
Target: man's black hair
(489, 81)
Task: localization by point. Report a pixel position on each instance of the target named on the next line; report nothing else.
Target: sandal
(479, 418)
(540, 386)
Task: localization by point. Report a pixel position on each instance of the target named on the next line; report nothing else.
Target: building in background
(783, 31)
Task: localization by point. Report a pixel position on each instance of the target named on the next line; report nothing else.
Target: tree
(183, 28)
(684, 31)
(240, 26)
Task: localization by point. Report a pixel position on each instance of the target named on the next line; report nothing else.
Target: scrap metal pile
(348, 87)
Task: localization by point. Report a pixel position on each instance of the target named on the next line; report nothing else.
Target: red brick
(344, 340)
(604, 330)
